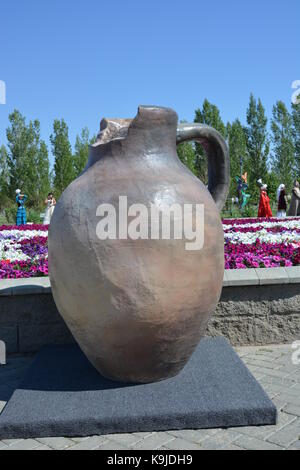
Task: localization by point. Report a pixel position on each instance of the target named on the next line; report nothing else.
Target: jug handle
(217, 153)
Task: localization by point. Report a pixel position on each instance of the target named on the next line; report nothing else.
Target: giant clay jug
(138, 307)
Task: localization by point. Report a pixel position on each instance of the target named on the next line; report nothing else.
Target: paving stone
(295, 375)
(232, 447)
(10, 442)
(295, 446)
(268, 379)
(89, 444)
(256, 363)
(142, 435)
(192, 435)
(280, 404)
(279, 389)
(56, 442)
(292, 409)
(78, 439)
(287, 435)
(154, 441)
(125, 439)
(221, 439)
(251, 443)
(182, 444)
(290, 399)
(111, 445)
(42, 448)
(296, 386)
(281, 373)
(263, 432)
(2, 445)
(25, 444)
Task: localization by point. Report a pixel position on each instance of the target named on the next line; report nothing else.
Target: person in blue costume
(242, 187)
(21, 212)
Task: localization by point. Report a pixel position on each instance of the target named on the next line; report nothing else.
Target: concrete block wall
(257, 306)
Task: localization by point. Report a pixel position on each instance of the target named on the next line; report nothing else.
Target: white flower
(10, 246)
(288, 235)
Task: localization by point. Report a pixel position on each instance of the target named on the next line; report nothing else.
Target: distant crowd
(264, 209)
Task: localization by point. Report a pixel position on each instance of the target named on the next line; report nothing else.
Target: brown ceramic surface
(138, 308)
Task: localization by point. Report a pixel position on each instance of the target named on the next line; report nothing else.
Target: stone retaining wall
(256, 307)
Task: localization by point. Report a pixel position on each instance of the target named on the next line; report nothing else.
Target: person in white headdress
(21, 218)
(281, 201)
(50, 202)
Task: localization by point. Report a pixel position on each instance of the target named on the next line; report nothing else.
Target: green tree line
(24, 161)
(273, 155)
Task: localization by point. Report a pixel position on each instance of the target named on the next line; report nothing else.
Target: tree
(27, 159)
(80, 157)
(237, 149)
(4, 176)
(296, 135)
(37, 166)
(283, 153)
(186, 153)
(43, 183)
(209, 115)
(257, 142)
(63, 163)
(17, 138)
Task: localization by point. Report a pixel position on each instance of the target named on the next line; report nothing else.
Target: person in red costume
(264, 209)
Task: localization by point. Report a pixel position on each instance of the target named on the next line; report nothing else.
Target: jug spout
(154, 127)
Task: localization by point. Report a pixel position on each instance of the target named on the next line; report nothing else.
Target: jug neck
(152, 132)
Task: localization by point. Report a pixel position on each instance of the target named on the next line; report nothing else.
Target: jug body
(136, 296)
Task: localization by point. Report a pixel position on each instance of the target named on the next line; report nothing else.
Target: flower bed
(261, 243)
(249, 243)
(23, 251)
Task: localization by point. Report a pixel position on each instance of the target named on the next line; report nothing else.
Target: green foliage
(273, 181)
(283, 162)
(257, 143)
(63, 163)
(80, 157)
(11, 214)
(34, 216)
(249, 211)
(209, 115)
(3, 219)
(186, 153)
(237, 148)
(4, 176)
(233, 211)
(26, 159)
(17, 138)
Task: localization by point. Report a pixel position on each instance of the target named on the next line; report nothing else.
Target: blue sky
(84, 60)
